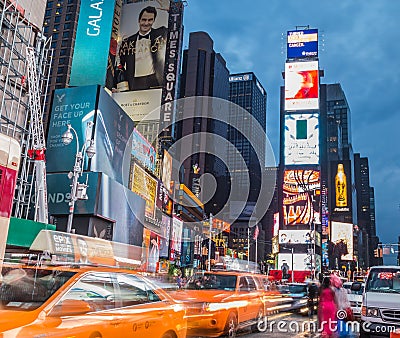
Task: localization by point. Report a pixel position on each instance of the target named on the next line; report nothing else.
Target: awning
(22, 232)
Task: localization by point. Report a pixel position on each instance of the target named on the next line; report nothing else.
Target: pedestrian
(327, 309)
(344, 313)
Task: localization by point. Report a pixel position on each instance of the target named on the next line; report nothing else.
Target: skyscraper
(204, 73)
(247, 92)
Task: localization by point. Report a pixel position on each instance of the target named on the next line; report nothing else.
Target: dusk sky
(359, 48)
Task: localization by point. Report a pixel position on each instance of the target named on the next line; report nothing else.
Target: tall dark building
(247, 92)
(204, 73)
(364, 202)
(60, 24)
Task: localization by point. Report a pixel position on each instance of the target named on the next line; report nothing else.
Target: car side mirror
(70, 307)
(356, 286)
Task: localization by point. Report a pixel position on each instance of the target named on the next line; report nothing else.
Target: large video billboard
(341, 192)
(301, 192)
(301, 85)
(110, 132)
(302, 43)
(113, 128)
(147, 51)
(74, 106)
(301, 139)
(296, 237)
(92, 43)
(342, 239)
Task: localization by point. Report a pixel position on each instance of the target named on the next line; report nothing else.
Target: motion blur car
(355, 298)
(221, 303)
(94, 302)
(297, 293)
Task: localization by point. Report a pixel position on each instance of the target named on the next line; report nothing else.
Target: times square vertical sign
(171, 70)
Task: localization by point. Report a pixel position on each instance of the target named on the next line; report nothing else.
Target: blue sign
(89, 62)
(74, 106)
(302, 44)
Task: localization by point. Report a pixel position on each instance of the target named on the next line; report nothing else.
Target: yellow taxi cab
(221, 302)
(71, 299)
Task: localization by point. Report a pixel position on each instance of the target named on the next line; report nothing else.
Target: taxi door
(86, 309)
(249, 294)
(141, 312)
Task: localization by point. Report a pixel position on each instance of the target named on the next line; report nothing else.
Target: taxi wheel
(231, 325)
(168, 335)
(96, 335)
(259, 320)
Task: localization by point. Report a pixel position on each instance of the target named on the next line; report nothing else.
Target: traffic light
(378, 253)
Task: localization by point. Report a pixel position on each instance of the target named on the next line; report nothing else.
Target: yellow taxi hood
(209, 296)
(10, 319)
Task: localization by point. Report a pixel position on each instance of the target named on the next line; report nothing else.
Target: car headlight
(372, 312)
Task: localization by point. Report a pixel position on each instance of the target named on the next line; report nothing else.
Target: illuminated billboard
(301, 85)
(301, 191)
(301, 139)
(300, 261)
(176, 237)
(341, 192)
(146, 187)
(143, 151)
(92, 43)
(302, 43)
(342, 240)
(146, 58)
(296, 237)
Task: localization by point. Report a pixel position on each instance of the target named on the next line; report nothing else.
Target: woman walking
(327, 310)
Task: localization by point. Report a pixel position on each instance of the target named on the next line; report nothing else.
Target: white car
(355, 298)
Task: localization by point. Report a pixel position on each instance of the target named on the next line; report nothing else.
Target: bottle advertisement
(341, 191)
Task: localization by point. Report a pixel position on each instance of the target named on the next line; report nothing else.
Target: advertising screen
(302, 43)
(176, 237)
(341, 192)
(300, 261)
(164, 236)
(146, 187)
(296, 237)
(301, 85)
(95, 23)
(301, 192)
(301, 139)
(112, 131)
(143, 151)
(342, 239)
(74, 106)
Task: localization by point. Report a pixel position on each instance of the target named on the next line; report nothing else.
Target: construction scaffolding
(18, 33)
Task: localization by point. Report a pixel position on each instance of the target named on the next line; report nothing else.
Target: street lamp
(78, 190)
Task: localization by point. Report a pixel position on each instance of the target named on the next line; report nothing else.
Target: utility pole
(248, 249)
(210, 220)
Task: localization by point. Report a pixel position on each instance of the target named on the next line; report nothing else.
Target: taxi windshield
(211, 281)
(27, 288)
(385, 280)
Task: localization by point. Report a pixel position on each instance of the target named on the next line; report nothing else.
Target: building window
(65, 35)
(67, 25)
(57, 19)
